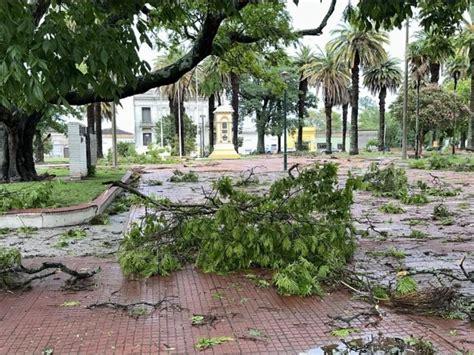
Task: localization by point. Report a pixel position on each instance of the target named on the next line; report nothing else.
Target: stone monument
(223, 147)
(77, 150)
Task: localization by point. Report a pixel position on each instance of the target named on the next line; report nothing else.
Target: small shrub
(100, 219)
(391, 208)
(439, 162)
(418, 164)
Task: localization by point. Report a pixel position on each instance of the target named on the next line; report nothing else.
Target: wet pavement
(258, 320)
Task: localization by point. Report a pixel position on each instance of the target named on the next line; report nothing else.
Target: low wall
(63, 216)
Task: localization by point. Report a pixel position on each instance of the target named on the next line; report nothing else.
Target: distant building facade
(152, 106)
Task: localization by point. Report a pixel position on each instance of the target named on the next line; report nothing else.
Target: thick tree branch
(201, 48)
(39, 10)
(319, 30)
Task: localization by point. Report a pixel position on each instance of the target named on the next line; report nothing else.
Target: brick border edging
(62, 216)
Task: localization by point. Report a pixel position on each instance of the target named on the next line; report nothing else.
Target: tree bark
(434, 72)
(328, 111)
(382, 96)
(91, 117)
(98, 129)
(345, 108)
(39, 147)
(354, 149)
(176, 106)
(17, 159)
(279, 144)
(235, 86)
(211, 104)
(260, 132)
(302, 92)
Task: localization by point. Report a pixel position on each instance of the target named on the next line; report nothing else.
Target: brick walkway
(35, 321)
(31, 322)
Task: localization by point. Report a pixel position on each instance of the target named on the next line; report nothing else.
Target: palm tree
(345, 107)
(383, 77)
(303, 57)
(326, 73)
(419, 67)
(101, 110)
(356, 48)
(215, 80)
(177, 91)
(436, 48)
(457, 68)
(467, 45)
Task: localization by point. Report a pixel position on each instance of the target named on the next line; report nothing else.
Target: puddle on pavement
(374, 345)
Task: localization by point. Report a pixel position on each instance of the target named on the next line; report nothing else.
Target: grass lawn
(68, 193)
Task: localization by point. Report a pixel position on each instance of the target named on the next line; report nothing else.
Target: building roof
(224, 108)
(108, 131)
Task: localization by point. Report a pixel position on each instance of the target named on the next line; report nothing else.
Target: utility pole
(405, 97)
(284, 76)
(114, 136)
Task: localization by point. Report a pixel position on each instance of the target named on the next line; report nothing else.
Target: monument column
(223, 147)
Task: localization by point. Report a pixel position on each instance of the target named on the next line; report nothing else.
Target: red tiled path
(33, 321)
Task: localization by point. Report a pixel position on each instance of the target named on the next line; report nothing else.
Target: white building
(152, 106)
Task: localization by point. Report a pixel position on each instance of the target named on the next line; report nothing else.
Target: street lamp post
(284, 76)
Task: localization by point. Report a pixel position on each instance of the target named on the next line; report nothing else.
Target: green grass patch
(62, 192)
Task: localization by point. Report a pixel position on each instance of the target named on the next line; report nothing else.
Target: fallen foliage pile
(302, 229)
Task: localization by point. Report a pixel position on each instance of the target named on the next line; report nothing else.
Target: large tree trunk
(279, 144)
(302, 92)
(345, 108)
(235, 86)
(382, 96)
(328, 111)
(17, 132)
(98, 129)
(91, 117)
(211, 104)
(418, 142)
(39, 147)
(355, 106)
(470, 137)
(434, 72)
(260, 132)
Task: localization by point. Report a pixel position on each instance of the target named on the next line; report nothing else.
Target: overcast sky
(308, 14)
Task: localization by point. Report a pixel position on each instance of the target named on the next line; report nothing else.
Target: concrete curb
(63, 216)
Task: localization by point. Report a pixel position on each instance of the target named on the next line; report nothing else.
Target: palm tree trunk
(434, 72)
(417, 122)
(235, 86)
(355, 106)
(382, 96)
(211, 104)
(183, 129)
(470, 138)
(279, 144)
(345, 108)
(328, 111)
(302, 92)
(260, 133)
(98, 129)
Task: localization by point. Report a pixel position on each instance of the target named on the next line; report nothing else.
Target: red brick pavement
(33, 321)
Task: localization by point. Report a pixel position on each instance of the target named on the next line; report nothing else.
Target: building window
(322, 146)
(146, 115)
(224, 132)
(146, 139)
(339, 146)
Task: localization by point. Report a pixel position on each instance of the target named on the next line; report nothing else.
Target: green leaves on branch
(302, 228)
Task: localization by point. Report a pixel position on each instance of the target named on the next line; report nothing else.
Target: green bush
(299, 222)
